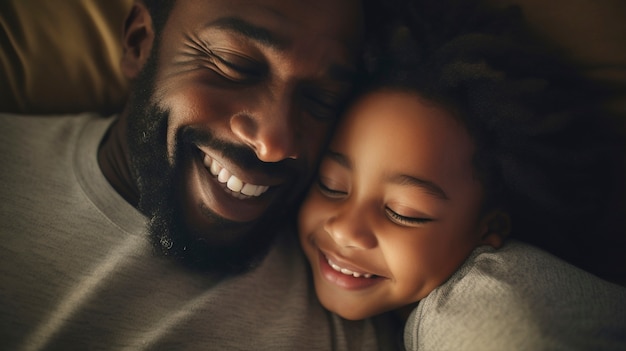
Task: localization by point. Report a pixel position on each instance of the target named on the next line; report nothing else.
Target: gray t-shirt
(519, 298)
(77, 270)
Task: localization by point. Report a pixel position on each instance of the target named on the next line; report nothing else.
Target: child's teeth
(347, 271)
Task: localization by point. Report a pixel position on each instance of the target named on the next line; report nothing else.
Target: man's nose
(350, 229)
(272, 133)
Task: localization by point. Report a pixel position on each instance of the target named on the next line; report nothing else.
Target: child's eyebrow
(399, 179)
(339, 158)
(428, 186)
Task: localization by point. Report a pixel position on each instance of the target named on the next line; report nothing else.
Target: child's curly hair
(546, 150)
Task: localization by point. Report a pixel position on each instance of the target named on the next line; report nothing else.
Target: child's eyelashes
(335, 192)
(328, 191)
(404, 220)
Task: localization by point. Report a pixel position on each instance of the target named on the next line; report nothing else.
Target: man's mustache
(239, 154)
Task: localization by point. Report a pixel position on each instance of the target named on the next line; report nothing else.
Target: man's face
(239, 100)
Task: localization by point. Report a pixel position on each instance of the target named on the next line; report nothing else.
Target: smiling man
(233, 109)
(230, 106)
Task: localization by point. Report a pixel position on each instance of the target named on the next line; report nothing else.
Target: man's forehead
(299, 42)
(340, 20)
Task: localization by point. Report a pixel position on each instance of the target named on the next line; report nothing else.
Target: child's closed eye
(405, 220)
(330, 191)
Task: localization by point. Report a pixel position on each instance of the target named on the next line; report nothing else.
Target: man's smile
(238, 187)
(231, 192)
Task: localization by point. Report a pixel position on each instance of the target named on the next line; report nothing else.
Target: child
(442, 166)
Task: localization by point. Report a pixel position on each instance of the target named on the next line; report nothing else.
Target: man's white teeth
(214, 167)
(233, 183)
(347, 271)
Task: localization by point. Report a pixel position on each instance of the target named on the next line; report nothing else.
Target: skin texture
(251, 85)
(396, 198)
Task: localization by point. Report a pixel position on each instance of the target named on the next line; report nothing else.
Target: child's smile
(350, 279)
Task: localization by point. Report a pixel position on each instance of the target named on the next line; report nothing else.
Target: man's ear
(137, 40)
(495, 227)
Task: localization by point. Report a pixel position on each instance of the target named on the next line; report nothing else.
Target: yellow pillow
(61, 56)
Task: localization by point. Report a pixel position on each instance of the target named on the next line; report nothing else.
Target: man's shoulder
(21, 125)
(19, 130)
(48, 119)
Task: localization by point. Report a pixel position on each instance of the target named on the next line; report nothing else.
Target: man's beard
(159, 181)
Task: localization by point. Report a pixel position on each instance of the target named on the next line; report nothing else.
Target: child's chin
(348, 313)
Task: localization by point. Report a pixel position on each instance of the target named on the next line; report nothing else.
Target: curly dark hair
(546, 149)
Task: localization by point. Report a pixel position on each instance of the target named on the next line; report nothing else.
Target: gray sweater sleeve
(519, 298)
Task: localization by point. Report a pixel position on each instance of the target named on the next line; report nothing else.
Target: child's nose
(349, 229)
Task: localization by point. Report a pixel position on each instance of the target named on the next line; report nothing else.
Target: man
(233, 109)
(231, 104)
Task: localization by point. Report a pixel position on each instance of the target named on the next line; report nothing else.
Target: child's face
(396, 200)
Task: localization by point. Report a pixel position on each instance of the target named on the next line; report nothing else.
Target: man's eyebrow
(426, 185)
(251, 31)
(271, 40)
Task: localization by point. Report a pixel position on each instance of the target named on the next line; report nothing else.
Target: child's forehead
(400, 130)
(391, 144)
(390, 113)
